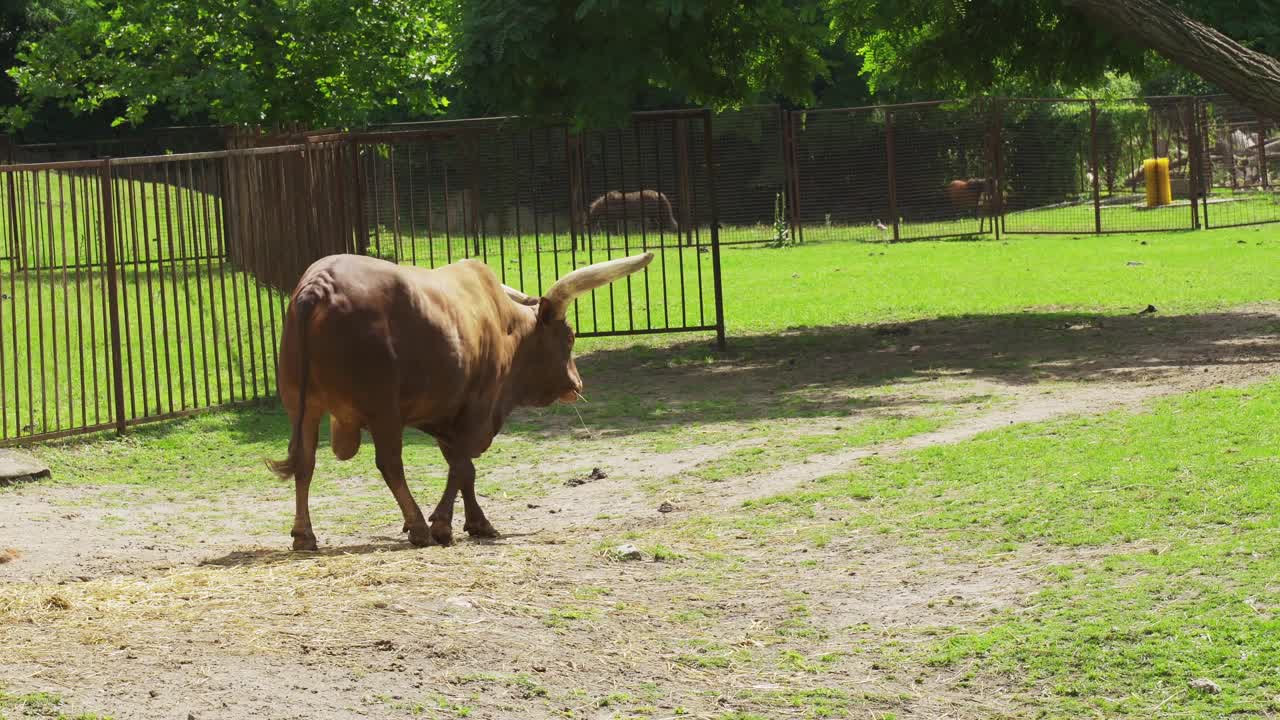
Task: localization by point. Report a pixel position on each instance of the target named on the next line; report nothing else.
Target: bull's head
(545, 360)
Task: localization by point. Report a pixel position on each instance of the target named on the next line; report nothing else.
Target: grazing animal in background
(650, 207)
(450, 351)
(973, 195)
(882, 228)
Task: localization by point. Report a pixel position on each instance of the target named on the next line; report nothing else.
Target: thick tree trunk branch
(1251, 77)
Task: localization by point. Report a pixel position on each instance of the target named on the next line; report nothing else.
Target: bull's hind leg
(303, 537)
(388, 442)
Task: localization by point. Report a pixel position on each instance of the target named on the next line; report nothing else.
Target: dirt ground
(111, 604)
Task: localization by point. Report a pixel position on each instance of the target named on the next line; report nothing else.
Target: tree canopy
(316, 61)
(345, 63)
(932, 47)
(586, 59)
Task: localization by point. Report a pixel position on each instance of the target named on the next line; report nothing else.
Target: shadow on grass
(838, 371)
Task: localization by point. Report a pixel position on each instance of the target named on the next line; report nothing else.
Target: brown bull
(975, 196)
(450, 352)
(649, 206)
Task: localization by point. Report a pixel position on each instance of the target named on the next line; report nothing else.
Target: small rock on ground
(16, 467)
(1205, 686)
(628, 552)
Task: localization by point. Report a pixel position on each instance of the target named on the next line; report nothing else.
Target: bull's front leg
(462, 478)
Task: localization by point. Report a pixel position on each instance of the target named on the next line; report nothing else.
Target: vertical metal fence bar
(1263, 173)
(684, 304)
(197, 254)
(413, 230)
(25, 241)
(139, 351)
(4, 350)
(91, 228)
(109, 248)
(44, 274)
(431, 210)
(893, 173)
(211, 255)
(1093, 164)
(66, 303)
(721, 341)
(533, 204)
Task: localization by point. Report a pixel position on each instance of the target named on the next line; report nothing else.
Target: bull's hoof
(304, 541)
(480, 529)
(420, 536)
(442, 533)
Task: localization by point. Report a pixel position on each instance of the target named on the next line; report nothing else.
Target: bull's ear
(547, 312)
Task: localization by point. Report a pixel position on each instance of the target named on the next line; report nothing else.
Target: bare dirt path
(111, 604)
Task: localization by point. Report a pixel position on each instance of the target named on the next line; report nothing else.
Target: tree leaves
(324, 62)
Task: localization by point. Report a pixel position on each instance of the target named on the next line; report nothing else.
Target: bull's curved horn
(520, 297)
(591, 277)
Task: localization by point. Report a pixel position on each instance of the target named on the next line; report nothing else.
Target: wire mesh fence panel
(842, 175)
(536, 202)
(942, 179)
(1047, 167)
(1134, 132)
(1243, 172)
(750, 174)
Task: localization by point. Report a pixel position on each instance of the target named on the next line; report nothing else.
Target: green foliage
(323, 62)
(564, 59)
(914, 48)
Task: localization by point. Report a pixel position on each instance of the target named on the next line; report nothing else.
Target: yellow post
(1166, 185)
(1150, 174)
(1159, 187)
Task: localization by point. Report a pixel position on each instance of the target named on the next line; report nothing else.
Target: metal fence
(535, 202)
(120, 302)
(1044, 166)
(144, 288)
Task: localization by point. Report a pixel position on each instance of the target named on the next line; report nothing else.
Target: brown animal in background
(450, 351)
(649, 206)
(973, 195)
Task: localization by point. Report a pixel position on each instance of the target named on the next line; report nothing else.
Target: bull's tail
(303, 303)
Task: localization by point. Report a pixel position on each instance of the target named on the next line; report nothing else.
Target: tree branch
(1251, 77)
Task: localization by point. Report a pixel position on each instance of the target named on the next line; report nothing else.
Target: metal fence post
(1262, 154)
(792, 162)
(709, 152)
(359, 219)
(113, 290)
(1093, 164)
(682, 178)
(1191, 117)
(577, 215)
(996, 120)
(893, 172)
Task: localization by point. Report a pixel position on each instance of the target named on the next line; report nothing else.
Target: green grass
(819, 285)
(1184, 504)
(46, 706)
